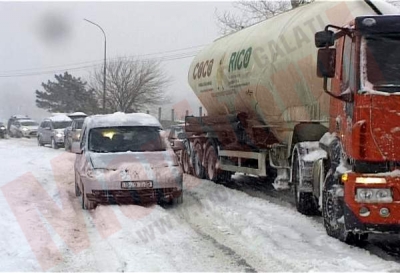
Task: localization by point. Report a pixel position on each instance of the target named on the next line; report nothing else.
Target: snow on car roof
(77, 114)
(121, 119)
(60, 118)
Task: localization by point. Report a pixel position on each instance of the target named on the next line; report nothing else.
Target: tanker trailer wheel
(333, 213)
(186, 166)
(197, 162)
(305, 201)
(211, 164)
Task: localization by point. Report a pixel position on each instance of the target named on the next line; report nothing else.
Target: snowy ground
(216, 228)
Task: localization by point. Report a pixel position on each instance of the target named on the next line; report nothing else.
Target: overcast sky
(51, 36)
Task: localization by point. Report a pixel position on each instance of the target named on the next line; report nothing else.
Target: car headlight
(59, 135)
(25, 129)
(2, 128)
(366, 195)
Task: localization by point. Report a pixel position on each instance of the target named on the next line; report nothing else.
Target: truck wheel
(86, 203)
(198, 165)
(333, 213)
(186, 163)
(305, 201)
(224, 176)
(210, 164)
(178, 200)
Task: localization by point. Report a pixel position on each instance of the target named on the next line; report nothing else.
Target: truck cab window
(346, 64)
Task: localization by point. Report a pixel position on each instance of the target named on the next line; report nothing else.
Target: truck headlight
(366, 195)
(370, 180)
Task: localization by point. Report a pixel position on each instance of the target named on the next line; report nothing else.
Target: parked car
(23, 128)
(124, 158)
(3, 130)
(73, 133)
(51, 131)
(15, 118)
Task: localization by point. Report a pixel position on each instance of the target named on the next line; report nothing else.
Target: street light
(105, 62)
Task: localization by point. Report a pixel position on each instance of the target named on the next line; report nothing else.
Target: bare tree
(132, 85)
(252, 12)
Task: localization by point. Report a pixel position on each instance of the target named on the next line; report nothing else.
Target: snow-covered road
(216, 228)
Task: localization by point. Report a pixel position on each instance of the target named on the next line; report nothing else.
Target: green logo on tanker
(239, 59)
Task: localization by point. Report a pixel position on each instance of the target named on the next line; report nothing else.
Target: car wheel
(77, 190)
(54, 144)
(86, 203)
(66, 145)
(39, 140)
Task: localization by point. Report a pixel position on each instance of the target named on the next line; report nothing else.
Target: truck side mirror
(324, 38)
(326, 62)
(182, 136)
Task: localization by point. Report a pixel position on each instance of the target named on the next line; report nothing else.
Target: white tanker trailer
(332, 139)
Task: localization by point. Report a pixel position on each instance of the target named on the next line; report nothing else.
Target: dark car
(179, 147)
(3, 130)
(73, 133)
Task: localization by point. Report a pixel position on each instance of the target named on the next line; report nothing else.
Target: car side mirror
(326, 62)
(76, 148)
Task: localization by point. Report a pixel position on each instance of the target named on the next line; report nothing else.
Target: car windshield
(78, 124)
(29, 123)
(61, 124)
(383, 61)
(124, 139)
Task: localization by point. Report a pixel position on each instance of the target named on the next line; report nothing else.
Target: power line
(93, 62)
(172, 57)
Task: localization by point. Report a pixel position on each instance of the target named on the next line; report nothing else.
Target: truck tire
(198, 168)
(333, 213)
(210, 164)
(186, 163)
(305, 201)
(86, 203)
(177, 200)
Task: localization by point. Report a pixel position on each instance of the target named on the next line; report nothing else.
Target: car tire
(54, 144)
(86, 203)
(77, 190)
(39, 140)
(66, 145)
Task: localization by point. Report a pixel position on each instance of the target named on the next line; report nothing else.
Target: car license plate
(137, 184)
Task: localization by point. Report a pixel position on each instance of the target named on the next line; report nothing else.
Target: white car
(24, 128)
(125, 158)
